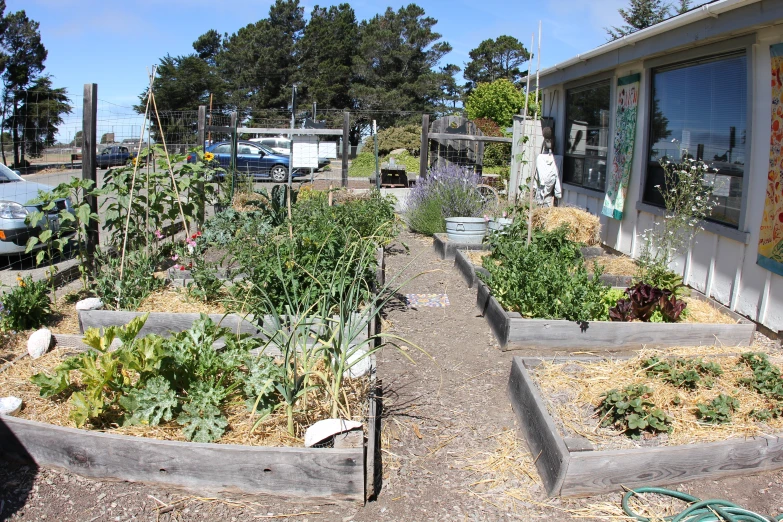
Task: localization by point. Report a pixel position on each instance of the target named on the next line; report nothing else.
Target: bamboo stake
(527, 92)
(535, 142)
(133, 178)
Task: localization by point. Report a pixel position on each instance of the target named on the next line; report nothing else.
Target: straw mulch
(617, 265)
(700, 311)
(242, 201)
(506, 478)
(584, 227)
(177, 300)
(15, 380)
(477, 256)
(572, 391)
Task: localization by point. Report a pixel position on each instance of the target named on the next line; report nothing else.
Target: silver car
(15, 195)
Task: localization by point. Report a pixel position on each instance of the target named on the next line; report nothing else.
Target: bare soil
(452, 449)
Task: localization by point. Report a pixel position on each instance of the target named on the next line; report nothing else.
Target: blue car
(113, 156)
(253, 159)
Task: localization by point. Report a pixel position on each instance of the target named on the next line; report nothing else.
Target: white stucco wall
(717, 265)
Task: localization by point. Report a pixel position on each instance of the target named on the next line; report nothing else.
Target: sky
(114, 44)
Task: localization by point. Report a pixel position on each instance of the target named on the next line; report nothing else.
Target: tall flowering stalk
(688, 195)
(448, 191)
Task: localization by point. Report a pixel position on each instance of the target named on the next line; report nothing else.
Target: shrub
(449, 191)
(406, 137)
(26, 306)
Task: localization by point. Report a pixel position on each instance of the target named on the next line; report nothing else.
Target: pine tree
(684, 7)
(640, 15)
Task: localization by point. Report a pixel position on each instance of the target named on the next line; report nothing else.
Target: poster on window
(624, 137)
(771, 237)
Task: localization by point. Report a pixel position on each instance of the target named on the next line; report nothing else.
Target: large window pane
(699, 111)
(587, 135)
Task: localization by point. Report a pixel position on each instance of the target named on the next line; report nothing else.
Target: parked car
(15, 195)
(278, 144)
(253, 159)
(112, 156)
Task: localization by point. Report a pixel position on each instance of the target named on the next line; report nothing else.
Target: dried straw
(477, 256)
(700, 311)
(618, 265)
(573, 390)
(177, 300)
(584, 227)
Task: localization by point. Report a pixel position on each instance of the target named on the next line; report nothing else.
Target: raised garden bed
(468, 269)
(571, 467)
(515, 332)
(346, 472)
(446, 249)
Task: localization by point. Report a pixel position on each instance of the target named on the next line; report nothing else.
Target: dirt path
(451, 446)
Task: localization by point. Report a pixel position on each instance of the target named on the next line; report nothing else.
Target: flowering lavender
(448, 191)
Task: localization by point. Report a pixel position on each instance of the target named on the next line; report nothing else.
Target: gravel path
(451, 448)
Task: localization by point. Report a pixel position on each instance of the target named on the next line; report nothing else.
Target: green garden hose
(714, 510)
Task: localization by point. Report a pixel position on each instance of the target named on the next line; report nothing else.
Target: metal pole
(89, 136)
(375, 146)
(346, 147)
(233, 163)
(535, 142)
(424, 149)
(202, 123)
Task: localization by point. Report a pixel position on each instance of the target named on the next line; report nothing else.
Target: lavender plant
(688, 197)
(448, 191)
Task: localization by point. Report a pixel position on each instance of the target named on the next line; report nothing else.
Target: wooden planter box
(447, 250)
(350, 471)
(571, 468)
(556, 335)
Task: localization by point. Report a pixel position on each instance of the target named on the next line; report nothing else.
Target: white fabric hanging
(547, 180)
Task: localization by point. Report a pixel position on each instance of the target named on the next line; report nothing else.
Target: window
(587, 135)
(699, 112)
(223, 149)
(269, 142)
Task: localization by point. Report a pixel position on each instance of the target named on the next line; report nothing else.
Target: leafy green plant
(718, 410)
(151, 380)
(767, 381)
(648, 304)
(26, 306)
(546, 279)
(683, 373)
(138, 279)
(632, 412)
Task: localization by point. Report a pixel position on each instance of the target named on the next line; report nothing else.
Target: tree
(684, 7)
(208, 45)
(495, 59)
(41, 110)
(25, 56)
(498, 101)
(639, 15)
(393, 64)
(78, 138)
(325, 55)
(451, 91)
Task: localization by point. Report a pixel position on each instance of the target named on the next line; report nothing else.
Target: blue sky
(114, 43)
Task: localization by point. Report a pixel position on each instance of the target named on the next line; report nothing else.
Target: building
(707, 82)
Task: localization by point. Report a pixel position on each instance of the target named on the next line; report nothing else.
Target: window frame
(743, 43)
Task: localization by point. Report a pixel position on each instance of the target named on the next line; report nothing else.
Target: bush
(363, 165)
(26, 306)
(406, 137)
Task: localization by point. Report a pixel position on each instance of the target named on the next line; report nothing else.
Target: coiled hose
(713, 510)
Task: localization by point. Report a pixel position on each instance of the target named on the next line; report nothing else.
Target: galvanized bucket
(466, 230)
(498, 224)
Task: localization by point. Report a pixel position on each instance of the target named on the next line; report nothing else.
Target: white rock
(322, 430)
(91, 303)
(359, 363)
(10, 405)
(39, 342)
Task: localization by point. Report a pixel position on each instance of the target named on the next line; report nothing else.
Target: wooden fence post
(346, 147)
(233, 163)
(89, 143)
(202, 124)
(425, 145)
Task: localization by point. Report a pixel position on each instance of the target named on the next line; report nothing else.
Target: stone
(10, 405)
(39, 342)
(359, 364)
(91, 303)
(324, 429)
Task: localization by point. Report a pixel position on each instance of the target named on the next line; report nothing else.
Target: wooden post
(375, 152)
(425, 145)
(346, 147)
(199, 188)
(89, 143)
